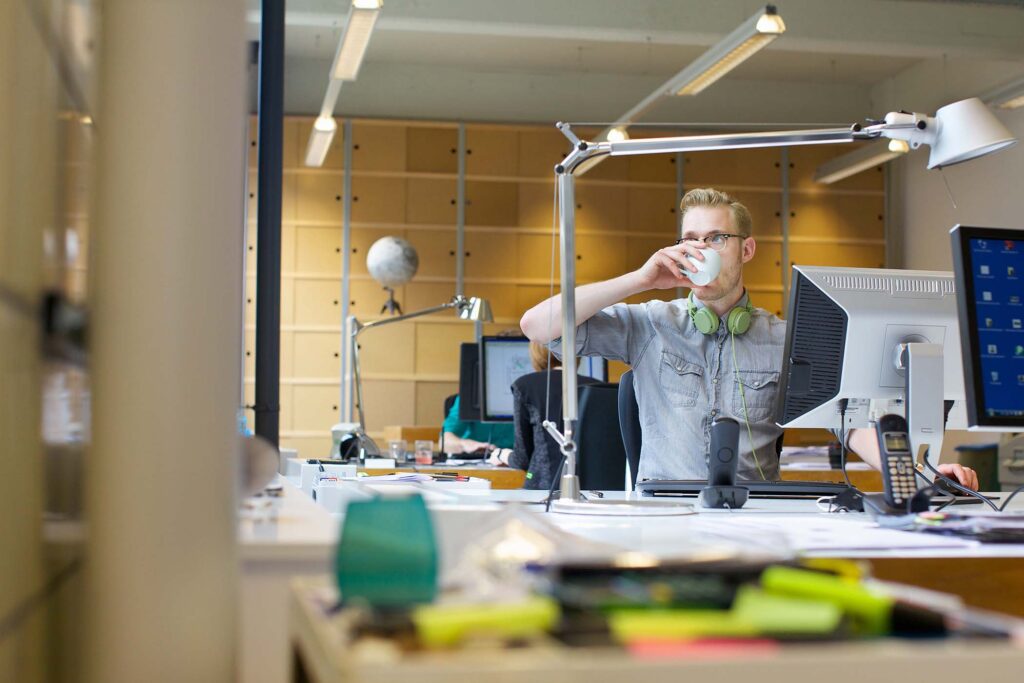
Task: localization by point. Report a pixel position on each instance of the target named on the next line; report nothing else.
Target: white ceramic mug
(707, 270)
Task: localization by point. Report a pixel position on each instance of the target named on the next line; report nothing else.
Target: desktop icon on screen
(995, 376)
(982, 244)
(1011, 271)
(1019, 351)
(988, 322)
(1015, 323)
(1014, 298)
(984, 270)
(993, 349)
(1020, 380)
(986, 296)
(1009, 244)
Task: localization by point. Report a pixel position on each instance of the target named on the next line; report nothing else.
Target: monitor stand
(923, 368)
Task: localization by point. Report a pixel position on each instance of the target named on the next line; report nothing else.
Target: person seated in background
(473, 436)
(535, 398)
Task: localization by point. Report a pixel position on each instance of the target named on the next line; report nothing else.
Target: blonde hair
(539, 357)
(708, 197)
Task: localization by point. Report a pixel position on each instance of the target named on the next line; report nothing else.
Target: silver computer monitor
(847, 328)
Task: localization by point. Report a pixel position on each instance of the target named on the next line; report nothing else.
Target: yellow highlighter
(445, 625)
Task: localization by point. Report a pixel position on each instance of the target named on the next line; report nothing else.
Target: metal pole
(460, 216)
(268, 221)
(346, 275)
(680, 191)
(567, 244)
(784, 215)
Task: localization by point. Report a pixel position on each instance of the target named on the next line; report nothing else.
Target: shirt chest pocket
(681, 381)
(756, 389)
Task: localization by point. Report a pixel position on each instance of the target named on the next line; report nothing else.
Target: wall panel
(404, 184)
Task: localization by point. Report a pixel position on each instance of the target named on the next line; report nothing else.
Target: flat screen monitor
(593, 367)
(989, 267)
(503, 360)
(845, 328)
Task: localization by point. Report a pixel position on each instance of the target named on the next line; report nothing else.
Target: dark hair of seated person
(534, 400)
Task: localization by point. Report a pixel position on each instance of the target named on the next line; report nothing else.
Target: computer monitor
(989, 267)
(469, 382)
(503, 360)
(845, 340)
(594, 368)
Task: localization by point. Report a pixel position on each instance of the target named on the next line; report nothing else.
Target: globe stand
(391, 307)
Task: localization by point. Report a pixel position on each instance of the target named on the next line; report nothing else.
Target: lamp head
(966, 130)
(475, 309)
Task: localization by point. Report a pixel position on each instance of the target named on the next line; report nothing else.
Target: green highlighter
(871, 613)
(387, 556)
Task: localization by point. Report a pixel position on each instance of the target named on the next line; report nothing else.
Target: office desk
(500, 477)
(301, 542)
(321, 654)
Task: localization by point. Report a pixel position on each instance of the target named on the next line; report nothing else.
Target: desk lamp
(958, 132)
(472, 308)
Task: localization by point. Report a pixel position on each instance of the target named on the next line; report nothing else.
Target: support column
(270, 120)
(161, 577)
(784, 216)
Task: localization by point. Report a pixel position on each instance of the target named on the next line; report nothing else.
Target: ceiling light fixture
(320, 140)
(1009, 96)
(616, 134)
(362, 16)
(859, 160)
(737, 47)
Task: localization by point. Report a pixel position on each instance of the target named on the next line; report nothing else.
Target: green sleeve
(451, 421)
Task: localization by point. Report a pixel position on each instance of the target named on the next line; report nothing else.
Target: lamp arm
(356, 327)
(456, 302)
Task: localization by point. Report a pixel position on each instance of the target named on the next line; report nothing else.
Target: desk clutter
(524, 583)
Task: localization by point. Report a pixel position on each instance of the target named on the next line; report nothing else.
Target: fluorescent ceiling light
(616, 134)
(320, 140)
(730, 52)
(856, 161)
(362, 16)
(1010, 96)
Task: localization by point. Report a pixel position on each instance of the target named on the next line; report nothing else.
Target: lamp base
(620, 508)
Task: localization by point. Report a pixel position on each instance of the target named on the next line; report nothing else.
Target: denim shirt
(685, 379)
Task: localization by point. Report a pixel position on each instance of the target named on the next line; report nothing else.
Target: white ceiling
(577, 60)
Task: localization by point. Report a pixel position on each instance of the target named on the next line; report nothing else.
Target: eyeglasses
(716, 241)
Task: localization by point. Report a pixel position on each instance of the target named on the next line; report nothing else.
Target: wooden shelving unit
(404, 183)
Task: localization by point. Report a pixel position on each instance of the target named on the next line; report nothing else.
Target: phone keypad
(900, 468)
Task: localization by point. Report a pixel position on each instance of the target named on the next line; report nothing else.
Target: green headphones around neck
(704, 319)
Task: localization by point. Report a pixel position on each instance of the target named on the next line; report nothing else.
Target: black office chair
(629, 423)
(602, 465)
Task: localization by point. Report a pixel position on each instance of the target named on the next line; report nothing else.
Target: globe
(392, 261)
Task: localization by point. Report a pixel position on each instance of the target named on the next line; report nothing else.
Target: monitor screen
(503, 360)
(989, 267)
(593, 367)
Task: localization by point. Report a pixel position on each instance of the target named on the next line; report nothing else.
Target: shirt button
(714, 412)
(714, 381)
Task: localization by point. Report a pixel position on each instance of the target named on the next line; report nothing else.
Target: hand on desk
(964, 476)
(456, 445)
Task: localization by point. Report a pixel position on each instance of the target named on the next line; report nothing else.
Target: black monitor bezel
(970, 348)
(484, 417)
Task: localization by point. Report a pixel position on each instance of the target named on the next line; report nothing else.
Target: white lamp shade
(965, 130)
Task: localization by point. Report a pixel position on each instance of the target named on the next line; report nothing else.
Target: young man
(713, 354)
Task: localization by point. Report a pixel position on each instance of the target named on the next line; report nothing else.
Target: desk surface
(323, 655)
